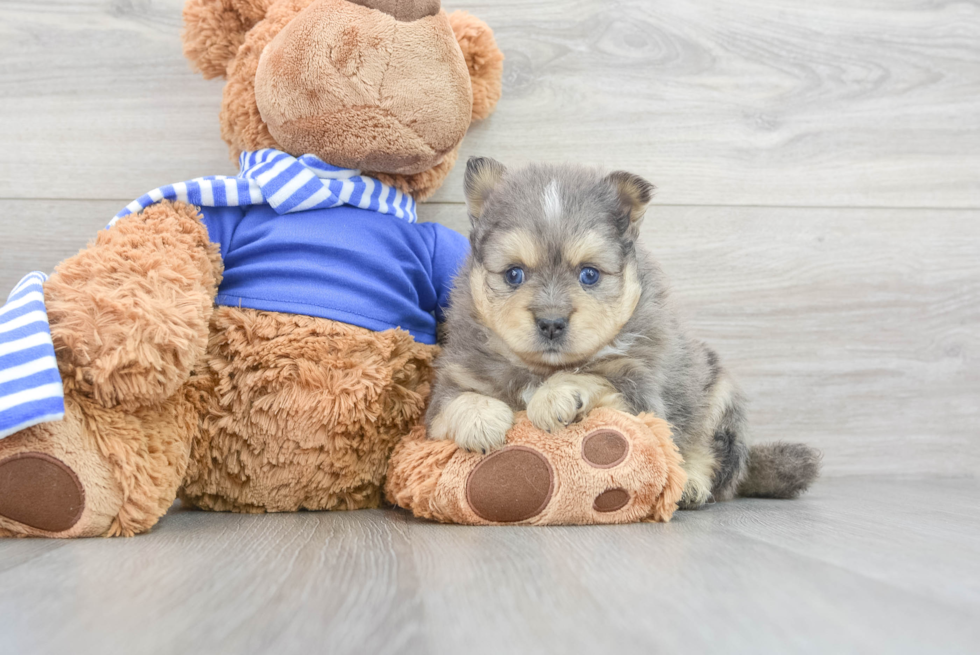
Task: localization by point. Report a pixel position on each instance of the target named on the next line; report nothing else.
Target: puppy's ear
(482, 175)
(634, 195)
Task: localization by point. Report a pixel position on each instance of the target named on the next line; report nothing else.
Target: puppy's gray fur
(558, 347)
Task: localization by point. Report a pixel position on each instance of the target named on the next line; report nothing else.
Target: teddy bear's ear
(483, 59)
(215, 29)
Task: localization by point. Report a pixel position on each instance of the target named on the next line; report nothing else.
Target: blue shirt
(346, 264)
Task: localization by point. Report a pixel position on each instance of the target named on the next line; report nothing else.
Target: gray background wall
(818, 167)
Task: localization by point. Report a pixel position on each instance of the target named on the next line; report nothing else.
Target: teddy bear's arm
(129, 313)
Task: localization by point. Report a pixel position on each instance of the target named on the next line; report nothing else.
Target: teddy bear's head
(385, 86)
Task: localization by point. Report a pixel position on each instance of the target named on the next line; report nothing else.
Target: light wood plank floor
(886, 565)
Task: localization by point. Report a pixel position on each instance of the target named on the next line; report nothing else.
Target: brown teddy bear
(259, 343)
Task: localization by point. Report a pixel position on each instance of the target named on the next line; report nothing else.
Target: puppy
(560, 309)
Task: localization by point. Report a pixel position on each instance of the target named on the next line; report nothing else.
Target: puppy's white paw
(696, 494)
(563, 399)
(475, 422)
(699, 464)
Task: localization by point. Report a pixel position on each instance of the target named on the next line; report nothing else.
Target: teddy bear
(256, 343)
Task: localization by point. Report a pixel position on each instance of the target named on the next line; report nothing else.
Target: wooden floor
(818, 211)
(861, 565)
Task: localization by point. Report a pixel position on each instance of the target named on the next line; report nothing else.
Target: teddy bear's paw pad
(611, 500)
(40, 492)
(513, 484)
(605, 448)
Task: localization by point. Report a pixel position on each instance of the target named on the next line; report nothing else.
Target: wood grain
(854, 330)
(766, 102)
(856, 566)
(694, 585)
(288, 582)
(38, 234)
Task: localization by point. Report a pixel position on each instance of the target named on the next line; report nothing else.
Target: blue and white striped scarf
(30, 386)
(287, 184)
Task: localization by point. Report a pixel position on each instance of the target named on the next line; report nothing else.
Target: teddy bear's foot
(55, 482)
(98, 471)
(41, 492)
(517, 483)
(610, 468)
(50, 489)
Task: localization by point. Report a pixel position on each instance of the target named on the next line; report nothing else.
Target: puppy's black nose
(552, 328)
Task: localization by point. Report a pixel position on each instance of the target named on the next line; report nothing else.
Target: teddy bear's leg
(305, 412)
(129, 320)
(54, 483)
(99, 472)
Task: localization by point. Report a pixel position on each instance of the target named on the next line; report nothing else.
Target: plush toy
(609, 468)
(254, 343)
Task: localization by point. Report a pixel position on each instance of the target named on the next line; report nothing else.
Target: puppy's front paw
(475, 422)
(696, 494)
(699, 465)
(560, 401)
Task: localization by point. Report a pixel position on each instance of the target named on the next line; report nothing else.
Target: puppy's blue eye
(514, 276)
(588, 276)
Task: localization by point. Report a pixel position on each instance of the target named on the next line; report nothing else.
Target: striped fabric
(288, 184)
(30, 386)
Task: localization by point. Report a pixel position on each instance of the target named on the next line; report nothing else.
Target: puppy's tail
(780, 470)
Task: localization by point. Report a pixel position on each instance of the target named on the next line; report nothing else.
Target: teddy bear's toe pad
(611, 499)
(40, 491)
(605, 448)
(513, 484)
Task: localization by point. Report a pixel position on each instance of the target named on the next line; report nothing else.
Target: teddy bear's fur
(241, 409)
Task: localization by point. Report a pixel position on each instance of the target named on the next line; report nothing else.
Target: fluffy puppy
(560, 309)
